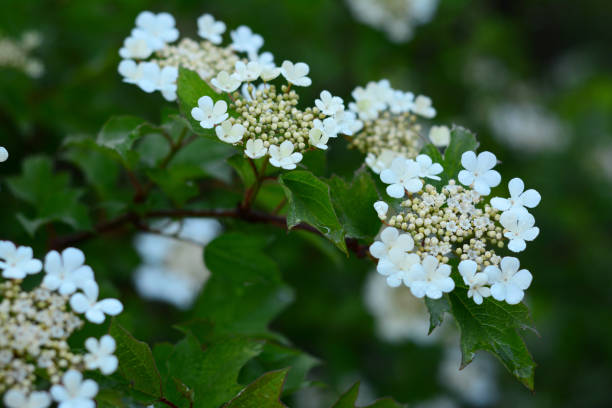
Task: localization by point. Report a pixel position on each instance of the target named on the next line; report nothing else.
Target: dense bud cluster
(17, 53)
(35, 327)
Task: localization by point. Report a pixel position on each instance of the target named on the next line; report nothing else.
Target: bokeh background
(532, 78)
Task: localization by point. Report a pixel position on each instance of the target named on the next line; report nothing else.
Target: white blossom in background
(74, 392)
(347, 122)
(296, 74)
(422, 106)
(4, 154)
(381, 209)
(17, 262)
(284, 156)
(95, 310)
(16, 53)
(520, 226)
(244, 40)
(16, 398)
(438, 402)
(67, 271)
(397, 18)
(403, 175)
(248, 72)
(439, 136)
(528, 127)
(475, 384)
(328, 126)
(478, 171)
(210, 29)
(255, 148)
(229, 133)
(100, 354)
(135, 47)
(329, 104)
(318, 138)
(519, 199)
(265, 59)
(508, 283)
(158, 29)
(398, 315)
(172, 268)
(209, 113)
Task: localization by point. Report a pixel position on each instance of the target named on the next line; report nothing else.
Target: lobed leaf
(349, 398)
(262, 393)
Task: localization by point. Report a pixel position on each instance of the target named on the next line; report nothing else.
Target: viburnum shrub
(426, 208)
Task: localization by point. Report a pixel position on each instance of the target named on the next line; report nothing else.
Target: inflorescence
(433, 225)
(17, 53)
(37, 365)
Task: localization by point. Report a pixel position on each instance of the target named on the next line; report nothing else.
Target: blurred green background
(532, 78)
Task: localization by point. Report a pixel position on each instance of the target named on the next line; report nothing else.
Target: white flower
(66, 272)
(508, 283)
(439, 135)
(401, 102)
(75, 393)
(296, 73)
(226, 82)
(244, 40)
(347, 122)
(366, 104)
(255, 148)
(382, 161)
(381, 209)
(248, 72)
(167, 83)
(519, 198)
(230, 133)
(318, 138)
(4, 154)
(428, 169)
(210, 29)
(431, 279)
(329, 104)
(130, 71)
(398, 266)
(265, 59)
(402, 175)
(476, 281)
(283, 156)
(328, 126)
(17, 262)
(269, 72)
(520, 226)
(87, 302)
(101, 354)
(135, 46)
(249, 91)
(209, 113)
(422, 106)
(478, 171)
(150, 74)
(158, 29)
(16, 398)
(390, 238)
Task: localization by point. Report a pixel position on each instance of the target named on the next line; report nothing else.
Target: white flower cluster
(397, 18)
(432, 226)
(173, 267)
(35, 327)
(388, 126)
(16, 53)
(268, 122)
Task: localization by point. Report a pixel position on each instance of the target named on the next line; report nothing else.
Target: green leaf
(437, 308)
(49, 192)
(276, 356)
(210, 373)
(175, 183)
(243, 168)
(353, 204)
(461, 141)
(493, 326)
(192, 87)
(119, 134)
(245, 290)
(262, 393)
(136, 362)
(310, 202)
(349, 398)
